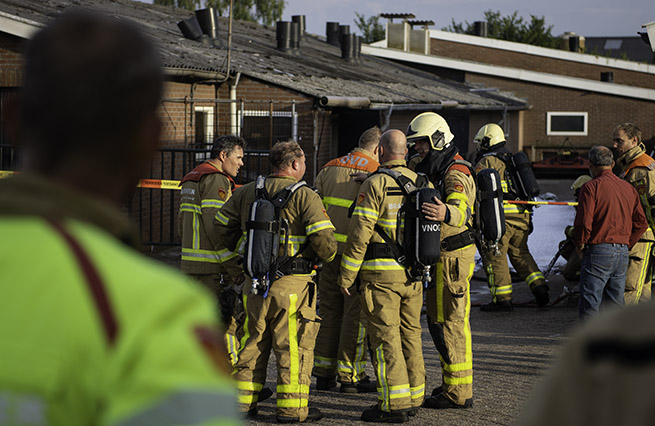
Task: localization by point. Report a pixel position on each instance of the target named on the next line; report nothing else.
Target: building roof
(381, 50)
(317, 71)
(631, 48)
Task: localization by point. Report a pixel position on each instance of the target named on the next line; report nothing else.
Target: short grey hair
(600, 156)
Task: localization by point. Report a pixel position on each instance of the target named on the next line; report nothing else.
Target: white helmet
(431, 126)
(489, 136)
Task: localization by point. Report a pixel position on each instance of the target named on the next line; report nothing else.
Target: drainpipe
(234, 124)
(387, 118)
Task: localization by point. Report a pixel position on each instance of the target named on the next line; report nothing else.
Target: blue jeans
(602, 277)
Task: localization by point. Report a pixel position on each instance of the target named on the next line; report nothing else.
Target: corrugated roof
(317, 71)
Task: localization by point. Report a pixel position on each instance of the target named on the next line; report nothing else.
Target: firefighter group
(328, 276)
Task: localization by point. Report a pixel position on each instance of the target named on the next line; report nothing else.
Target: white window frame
(583, 114)
(293, 115)
(209, 128)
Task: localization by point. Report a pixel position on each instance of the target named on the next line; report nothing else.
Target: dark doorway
(352, 124)
(458, 121)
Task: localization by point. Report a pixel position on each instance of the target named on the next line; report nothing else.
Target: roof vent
(300, 20)
(348, 47)
(288, 36)
(343, 30)
(191, 30)
(332, 33)
(607, 76)
(481, 28)
(208, 20)
(358, 47)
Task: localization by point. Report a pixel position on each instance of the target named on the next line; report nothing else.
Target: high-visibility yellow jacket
(308, 222)
(513, 212)
(638, 168)
(93, 333)
(204, 190)
(378, 202)
(339, 190)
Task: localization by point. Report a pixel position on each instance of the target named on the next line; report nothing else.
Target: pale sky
(584, 17)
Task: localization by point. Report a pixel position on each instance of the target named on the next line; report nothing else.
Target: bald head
(393, 144)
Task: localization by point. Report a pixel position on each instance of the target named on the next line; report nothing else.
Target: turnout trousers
(515, 245)
(215, 284)
(449, 307)
(341, 344)
(286, 322)
(640, 270)
(393, 312)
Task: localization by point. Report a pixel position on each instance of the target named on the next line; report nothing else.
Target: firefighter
(341, 343)
(285, 319)
(204, 190)
(391, 301)
(448, 295)
(492, 153)
(638, 168)
(92, 332)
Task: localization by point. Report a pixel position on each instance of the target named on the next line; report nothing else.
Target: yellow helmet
(489, 135)
(431, 126)
(581, 180)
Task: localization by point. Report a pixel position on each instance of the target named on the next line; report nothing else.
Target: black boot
(541, 295)
(499, 306)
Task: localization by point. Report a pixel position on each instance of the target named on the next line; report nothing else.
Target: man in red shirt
(609, 219)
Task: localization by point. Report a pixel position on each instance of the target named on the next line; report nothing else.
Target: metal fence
(154, 211)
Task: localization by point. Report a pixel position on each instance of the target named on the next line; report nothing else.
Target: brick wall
(605, 111)
(11, 61)
(525, 61)
(179, 123)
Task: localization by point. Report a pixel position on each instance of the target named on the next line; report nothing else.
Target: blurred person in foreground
(609, 220)
(91, 332)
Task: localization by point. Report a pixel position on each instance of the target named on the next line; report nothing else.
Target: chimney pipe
(332, 33)
(295, 36)
(348, 47)
(574, 43)
(481, 28)
(208, 20)
(343, 30)
(283, 31)
(358, 46)
(300, 20)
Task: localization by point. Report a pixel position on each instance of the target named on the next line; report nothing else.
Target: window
(566, 123)
(261, 130)
(204, 138)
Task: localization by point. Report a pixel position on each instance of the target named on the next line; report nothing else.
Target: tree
(264, 11)
(371, 28)
(512, 28)
(182, 4)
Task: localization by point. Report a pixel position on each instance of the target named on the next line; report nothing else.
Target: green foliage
(265, 11)
(512, 28)
(182, 4)
(371, 28)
